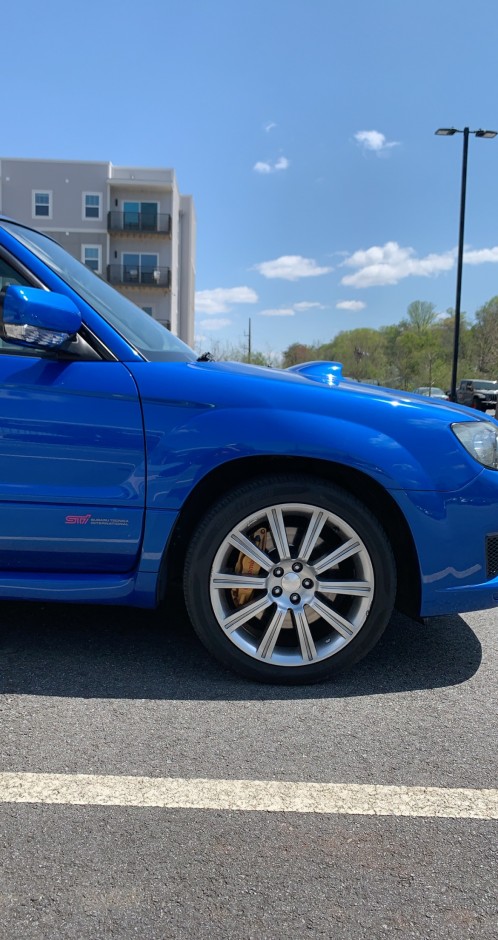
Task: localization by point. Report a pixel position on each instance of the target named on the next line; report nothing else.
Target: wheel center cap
(291, 581)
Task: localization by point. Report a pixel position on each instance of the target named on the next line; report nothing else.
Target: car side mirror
(30, 316)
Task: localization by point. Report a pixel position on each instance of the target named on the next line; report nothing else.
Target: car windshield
(484, 385)
(146, 335)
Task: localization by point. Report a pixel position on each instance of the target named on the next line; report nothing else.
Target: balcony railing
(131, 275)
(148, 223)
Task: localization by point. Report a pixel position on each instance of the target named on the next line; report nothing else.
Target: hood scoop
(327, 373)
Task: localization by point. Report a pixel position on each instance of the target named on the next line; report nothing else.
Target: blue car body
(103, 464)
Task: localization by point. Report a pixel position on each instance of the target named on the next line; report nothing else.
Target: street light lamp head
(449, 131)
(487, 134)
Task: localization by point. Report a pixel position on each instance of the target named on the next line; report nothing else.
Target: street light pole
(448, 132)
(463, 196)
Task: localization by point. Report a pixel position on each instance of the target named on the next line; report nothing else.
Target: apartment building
(128, 224)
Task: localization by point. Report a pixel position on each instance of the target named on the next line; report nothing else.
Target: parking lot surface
(145, 791)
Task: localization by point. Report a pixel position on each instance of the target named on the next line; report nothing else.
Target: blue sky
(304, 132)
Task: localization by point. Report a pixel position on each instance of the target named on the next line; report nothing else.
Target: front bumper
(456, 536)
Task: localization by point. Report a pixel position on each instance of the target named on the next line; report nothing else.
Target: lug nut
(278, 572)
(297, 566)
(295, 598)
(307, 583)
(277, 591)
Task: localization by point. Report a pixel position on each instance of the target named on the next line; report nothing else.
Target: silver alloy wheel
(307, 592)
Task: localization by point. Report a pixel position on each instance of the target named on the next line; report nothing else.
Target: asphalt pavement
(91, 694)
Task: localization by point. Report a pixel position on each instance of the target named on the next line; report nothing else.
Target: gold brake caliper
(246, 565)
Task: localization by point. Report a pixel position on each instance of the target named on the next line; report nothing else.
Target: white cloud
(222, 299)
(291, 311)
(282, 163)
(291, 268)
(374, 140)
(307, 305)
(390, 263)
(278, 312)
(481, 256)
(269, 126)
(350, 305)
(214, 324)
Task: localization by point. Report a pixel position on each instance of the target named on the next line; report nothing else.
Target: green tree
(445, 331)
(485, 338)
(414, 349)
(421, 315)
(296, 353)
(360, 351)
(407, 351)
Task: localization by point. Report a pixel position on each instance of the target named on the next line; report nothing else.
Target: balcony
(138, 175)
(138, 223)
(133, 276)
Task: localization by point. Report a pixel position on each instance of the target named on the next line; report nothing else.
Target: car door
(71, 461)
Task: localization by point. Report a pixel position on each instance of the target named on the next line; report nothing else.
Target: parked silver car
(431, 391)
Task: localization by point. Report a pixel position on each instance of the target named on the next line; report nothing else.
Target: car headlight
(480, 439)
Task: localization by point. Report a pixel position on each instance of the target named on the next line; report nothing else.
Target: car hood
(314, 387)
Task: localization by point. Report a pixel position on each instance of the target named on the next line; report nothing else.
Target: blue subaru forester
(298, 507)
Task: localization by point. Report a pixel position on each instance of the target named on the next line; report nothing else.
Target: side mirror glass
(30, 316)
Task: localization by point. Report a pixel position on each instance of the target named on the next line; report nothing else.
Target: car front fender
(185, 443)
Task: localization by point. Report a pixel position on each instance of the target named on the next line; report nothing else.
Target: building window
(91, 255)
(148, 310)
(140, 268)
(42, 204)
(92, 205)
(140, 216)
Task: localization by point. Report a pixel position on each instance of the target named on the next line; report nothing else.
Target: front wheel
(289, 579)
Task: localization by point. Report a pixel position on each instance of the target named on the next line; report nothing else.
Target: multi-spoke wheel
(289, 579)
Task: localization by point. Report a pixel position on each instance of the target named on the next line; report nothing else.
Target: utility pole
(248, 334)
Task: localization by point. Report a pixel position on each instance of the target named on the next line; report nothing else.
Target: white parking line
(268, 796)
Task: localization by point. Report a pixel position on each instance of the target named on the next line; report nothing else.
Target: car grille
(492, 556)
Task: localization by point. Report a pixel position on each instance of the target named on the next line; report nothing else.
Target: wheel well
(368, 491)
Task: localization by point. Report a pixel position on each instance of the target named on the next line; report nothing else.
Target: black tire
(259, 628)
